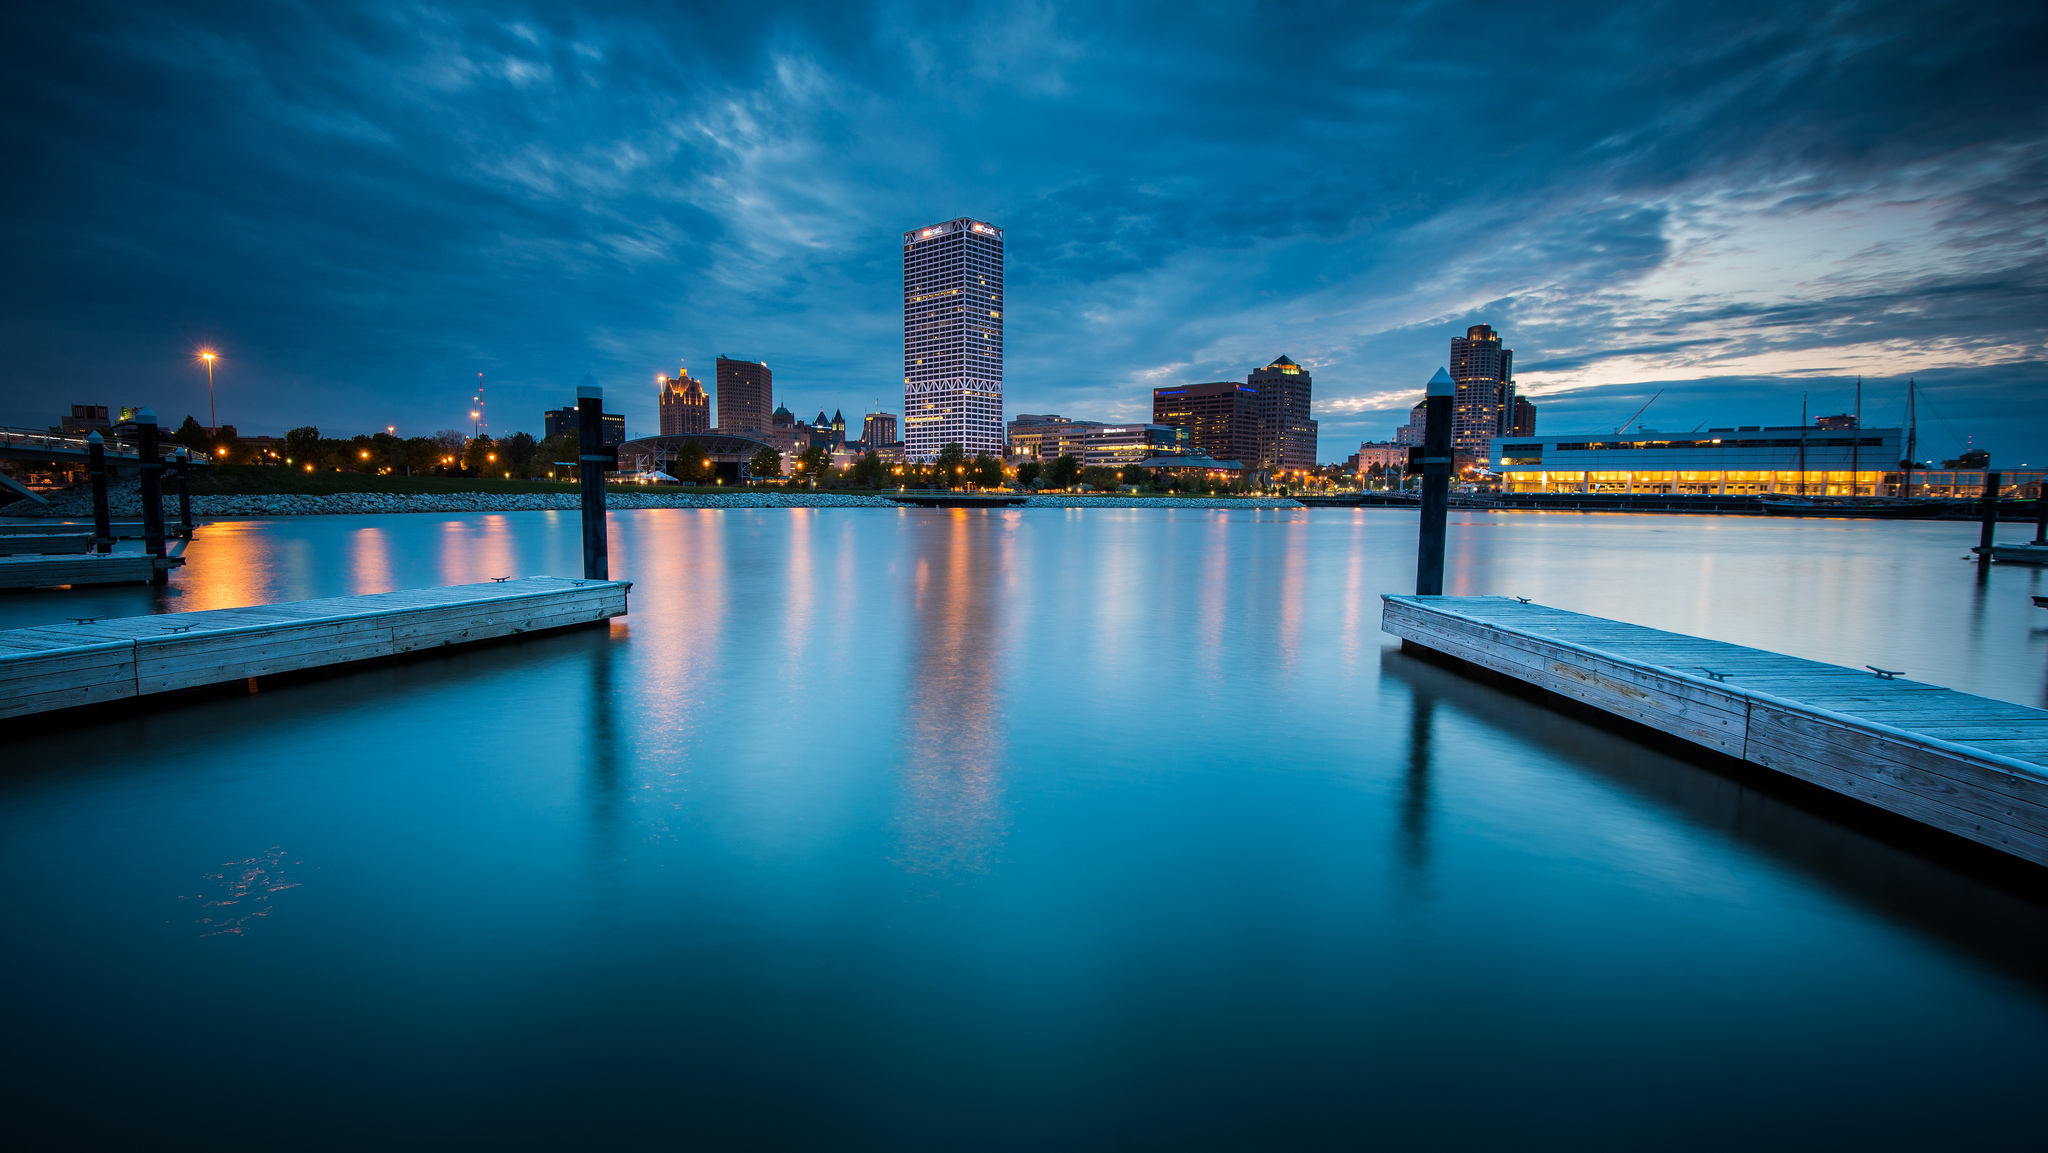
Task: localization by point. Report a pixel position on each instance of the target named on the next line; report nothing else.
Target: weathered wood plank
(57, 666)
(1968, 765)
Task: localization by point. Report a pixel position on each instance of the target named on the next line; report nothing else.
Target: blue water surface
(926, 829)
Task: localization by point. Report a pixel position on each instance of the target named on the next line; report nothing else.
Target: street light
(211, 415)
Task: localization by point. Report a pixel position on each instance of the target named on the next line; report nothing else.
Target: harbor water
(1074, 828)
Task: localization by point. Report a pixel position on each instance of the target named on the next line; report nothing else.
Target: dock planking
(94, 661)
(1965, 764)
(32, 572)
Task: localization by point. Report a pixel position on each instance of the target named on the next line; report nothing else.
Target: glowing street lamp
(211, 415)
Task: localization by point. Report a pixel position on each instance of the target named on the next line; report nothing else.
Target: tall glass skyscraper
(953, 338)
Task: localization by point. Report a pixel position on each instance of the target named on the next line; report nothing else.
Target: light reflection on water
(1119, 826)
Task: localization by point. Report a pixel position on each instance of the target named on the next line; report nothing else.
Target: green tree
(302, 444)
(516, 453)
(693, 463)
(1100, 477)
(951, 466)
(422, 456)
(477, 456)
(986, 471)
(1063, 471)
(1027, 473)
(1137, 476)
(869, 471)
(813, 463)
(766, 463)
(192, 436)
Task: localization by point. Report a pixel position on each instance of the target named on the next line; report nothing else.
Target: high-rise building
(684, 407)
(746, 390)
(953, 338)
(566, 422)
(1410, 434)
(1484, 404)
(878, 429)
(1524, 423)
(1221, 417)
(1287, 437)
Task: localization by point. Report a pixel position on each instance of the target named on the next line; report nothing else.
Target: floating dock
(1965, 764)
(92, 661)
(35, 572)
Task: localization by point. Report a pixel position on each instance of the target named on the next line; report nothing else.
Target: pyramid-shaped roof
(1280, 360)
(782, 410)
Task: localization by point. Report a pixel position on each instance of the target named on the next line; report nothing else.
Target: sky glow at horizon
(361, 207)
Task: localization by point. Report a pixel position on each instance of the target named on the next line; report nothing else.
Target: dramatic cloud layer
(365, 206)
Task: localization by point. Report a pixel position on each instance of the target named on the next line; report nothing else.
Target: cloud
(367, 204)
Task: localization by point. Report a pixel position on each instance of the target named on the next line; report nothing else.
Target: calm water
(1049, 828)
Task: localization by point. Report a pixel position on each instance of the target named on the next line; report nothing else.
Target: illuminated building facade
(1091, 442)
(1287, 437)
(1747, 461)
(878, 429)
(563, 422)
(1221, 417)
(1484, 404)
(684, 407)
(953, 338)
(746, 395)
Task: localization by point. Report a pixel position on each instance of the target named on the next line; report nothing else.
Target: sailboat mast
(1802, 444)
(1912, 440)
(1856, 446)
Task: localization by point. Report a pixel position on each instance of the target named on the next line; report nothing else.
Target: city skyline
(1740, 207)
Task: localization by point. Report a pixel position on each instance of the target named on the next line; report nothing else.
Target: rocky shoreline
(125, 502)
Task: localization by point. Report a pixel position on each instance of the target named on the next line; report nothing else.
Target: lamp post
(211, 415)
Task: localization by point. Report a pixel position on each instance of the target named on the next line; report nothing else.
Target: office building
(1410, 434)
(953, 338)
(746, 395)
(563, 422)
(1221, 417)
(1524, 422)
(1745, 461)
(1092, 442)
(1483, 405)
(684, 407)
(878, 429)
(1391, 458)
(1287, 437)
(86, 419)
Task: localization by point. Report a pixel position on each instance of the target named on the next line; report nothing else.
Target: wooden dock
(1965, 764)
(92, 661)
(35, 572)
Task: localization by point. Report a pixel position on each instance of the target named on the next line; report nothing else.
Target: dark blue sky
(363, 206)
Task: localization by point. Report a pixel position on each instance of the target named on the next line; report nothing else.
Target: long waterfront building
(1092, 442)
(953, 338)
(1750, 460)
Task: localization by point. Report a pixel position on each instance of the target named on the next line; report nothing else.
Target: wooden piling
(151, 467)
(1989, 529)
(184, 492)
(592, 460)
(1436, 485)
(102, 516)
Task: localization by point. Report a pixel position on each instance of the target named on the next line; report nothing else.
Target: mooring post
(2041, 513)
(593, 459)
(184, 492)
(1436, 485)
(1990, 527)
(152, 493)
(102, 516)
